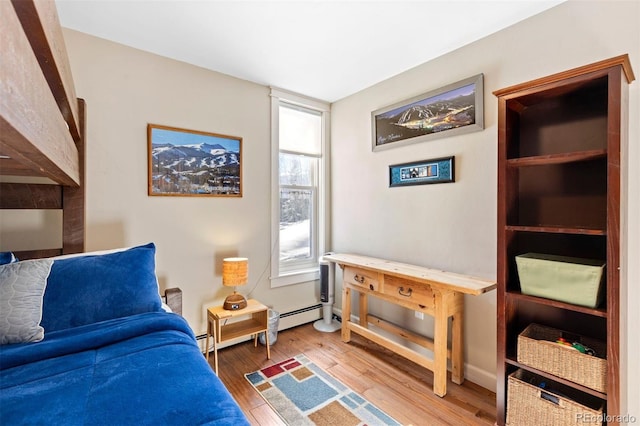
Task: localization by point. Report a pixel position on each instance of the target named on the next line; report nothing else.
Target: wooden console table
(436, 293)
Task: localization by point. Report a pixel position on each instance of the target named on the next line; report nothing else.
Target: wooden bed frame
(42, 122)
(42, 125)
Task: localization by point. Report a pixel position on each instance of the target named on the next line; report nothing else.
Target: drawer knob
(401, 292)
(358, 279)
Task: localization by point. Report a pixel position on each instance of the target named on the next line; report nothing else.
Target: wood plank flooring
(399, 387)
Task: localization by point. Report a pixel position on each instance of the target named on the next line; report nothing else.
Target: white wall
(127, 88)
(453, 226)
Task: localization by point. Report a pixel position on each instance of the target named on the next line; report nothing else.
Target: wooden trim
(42, 27)
(556, 230)
(622, 60)
(11, 167)
(516, 295)
(617, 117)
(568, 157)
(30, 196)
(502, 266)
(37, 254)
(31, 129)
(73, 198)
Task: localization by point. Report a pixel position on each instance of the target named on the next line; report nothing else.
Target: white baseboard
(299, 319)
(480, 377)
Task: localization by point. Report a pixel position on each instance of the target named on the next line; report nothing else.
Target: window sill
(297, 277)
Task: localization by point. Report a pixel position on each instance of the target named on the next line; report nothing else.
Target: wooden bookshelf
(559, 140)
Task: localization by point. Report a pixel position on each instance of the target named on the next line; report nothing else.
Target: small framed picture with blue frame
(437, 170)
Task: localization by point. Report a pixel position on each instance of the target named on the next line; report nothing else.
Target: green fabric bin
(566, 279)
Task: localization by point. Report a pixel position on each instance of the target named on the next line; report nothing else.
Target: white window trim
(283, 278)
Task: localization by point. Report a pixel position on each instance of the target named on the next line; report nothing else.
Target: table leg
(440, 345)
(266, 343)
(206, 342)
(263, 318)
(457, 342)
(216, 331)
(346, 313)
(364, 309)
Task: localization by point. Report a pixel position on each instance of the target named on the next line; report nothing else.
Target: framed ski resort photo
(451, 110)
(185, 162)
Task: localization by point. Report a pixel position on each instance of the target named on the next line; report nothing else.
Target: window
(298, 181)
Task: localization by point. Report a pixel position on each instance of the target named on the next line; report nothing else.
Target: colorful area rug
(304, 394)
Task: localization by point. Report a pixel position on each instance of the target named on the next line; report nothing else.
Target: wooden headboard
(42, 123)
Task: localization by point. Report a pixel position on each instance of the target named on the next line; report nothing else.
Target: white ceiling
(323, 49)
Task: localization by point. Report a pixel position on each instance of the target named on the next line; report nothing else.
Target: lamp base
(234, 302)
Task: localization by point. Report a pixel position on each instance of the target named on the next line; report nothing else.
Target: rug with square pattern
(304, 394)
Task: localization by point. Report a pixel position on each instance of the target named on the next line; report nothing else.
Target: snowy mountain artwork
(450, 110)
(188, 162)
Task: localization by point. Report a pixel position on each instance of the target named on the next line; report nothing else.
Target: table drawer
(409, 291)
(361, 278)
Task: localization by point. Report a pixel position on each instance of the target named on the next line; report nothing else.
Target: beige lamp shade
(235, 272)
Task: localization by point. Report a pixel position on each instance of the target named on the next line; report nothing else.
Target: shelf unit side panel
(617, 89)
(504, 133)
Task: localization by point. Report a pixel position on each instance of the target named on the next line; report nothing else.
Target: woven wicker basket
(528, 404)
(537, 348)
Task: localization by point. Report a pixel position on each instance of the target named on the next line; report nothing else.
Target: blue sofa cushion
(91, 288)
(7, 257)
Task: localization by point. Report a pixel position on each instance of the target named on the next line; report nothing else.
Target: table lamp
(234, 273)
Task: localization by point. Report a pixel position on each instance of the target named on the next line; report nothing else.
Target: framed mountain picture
(192, 163)
(450, 110)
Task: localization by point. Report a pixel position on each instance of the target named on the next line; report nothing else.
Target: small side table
(218, 328)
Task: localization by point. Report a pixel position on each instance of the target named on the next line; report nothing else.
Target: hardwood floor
(398, 386)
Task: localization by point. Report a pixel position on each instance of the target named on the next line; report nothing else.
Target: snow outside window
(299, 139)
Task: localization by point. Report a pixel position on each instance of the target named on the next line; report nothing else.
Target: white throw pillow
(22, 286)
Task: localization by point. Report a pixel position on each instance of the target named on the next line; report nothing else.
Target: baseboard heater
(300, 311)
(292, 322)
